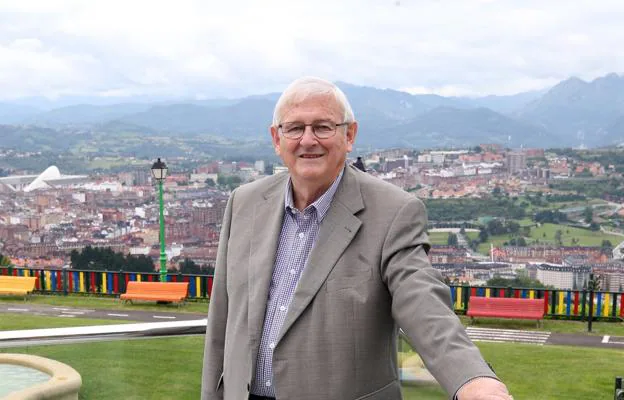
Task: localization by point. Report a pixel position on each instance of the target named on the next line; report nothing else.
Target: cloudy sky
(229, 48)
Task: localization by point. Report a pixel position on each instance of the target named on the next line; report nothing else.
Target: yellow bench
(17, 285)
(156, 291)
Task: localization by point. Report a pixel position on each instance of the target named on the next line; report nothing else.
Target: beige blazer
(367, 275)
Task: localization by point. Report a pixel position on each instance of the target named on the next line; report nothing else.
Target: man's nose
(308, 136)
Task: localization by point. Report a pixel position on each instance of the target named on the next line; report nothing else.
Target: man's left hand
(484, 389)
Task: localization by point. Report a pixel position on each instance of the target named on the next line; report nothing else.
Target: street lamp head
(159, 170)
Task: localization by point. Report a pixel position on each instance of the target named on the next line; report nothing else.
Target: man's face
(310, 159)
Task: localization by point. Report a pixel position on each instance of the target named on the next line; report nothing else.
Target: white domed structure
(40, 181)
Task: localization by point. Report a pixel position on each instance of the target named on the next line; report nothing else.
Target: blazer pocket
(388, 392)
(219, 383)
(361, 275)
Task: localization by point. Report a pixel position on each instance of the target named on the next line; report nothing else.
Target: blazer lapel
(336, 232)
(265, 230)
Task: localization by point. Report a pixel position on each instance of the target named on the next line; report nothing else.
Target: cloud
(209, 49)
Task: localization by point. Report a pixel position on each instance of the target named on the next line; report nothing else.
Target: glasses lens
(324, 129)
(293, 130)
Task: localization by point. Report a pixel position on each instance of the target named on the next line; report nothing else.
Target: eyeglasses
(322, 130)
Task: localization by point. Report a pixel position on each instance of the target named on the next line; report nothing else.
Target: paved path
(507, 335)
(168, 322)
(71, 312)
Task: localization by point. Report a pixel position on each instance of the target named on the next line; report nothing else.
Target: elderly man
(318, 268)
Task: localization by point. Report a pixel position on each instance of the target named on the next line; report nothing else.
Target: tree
(518, 242)
(483, 235)
(189, 266)
(5, 261)
(521, 280)
(588, 215)
(594, 283)
(606, 247)
(105, 259)
(452, 239)
(558, 236)
(210, 182)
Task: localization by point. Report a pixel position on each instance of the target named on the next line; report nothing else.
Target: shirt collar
(321, 204)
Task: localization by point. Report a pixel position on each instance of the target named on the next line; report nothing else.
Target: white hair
(306, 87)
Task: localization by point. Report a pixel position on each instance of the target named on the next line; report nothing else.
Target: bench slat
(156, 291)
(501, 307)
(17, 285)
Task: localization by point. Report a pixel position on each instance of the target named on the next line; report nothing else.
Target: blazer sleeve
(212, 371)
(421, 302)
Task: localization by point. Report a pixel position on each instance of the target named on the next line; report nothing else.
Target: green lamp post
(159, 173)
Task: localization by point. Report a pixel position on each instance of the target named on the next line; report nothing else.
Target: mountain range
(572, 113)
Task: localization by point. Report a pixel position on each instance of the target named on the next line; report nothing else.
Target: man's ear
(276, 139)
(351, 134)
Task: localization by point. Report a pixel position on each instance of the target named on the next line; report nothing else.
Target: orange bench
(17, 285)
(174, 292)
(500, 307)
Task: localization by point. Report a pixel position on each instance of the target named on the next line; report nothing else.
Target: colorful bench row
(572, 304)
(559, 303)
(109, 283)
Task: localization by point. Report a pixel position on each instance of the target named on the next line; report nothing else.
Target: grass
(140, 369)
(498, 241)
(132, 369)
(585, 237)
(555, 372)
(108, 303)
(438, 238)
(472, 235)
(441, 238)
(42, 321)
(546, 234)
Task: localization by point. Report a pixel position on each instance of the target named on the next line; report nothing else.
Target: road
(69, 312)
(159, 324)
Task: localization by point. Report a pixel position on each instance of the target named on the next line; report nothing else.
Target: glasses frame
(281, 131)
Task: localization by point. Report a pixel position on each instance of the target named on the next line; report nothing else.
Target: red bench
(500, 307)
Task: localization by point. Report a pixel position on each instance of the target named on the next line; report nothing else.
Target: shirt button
(268, 383)
(293, 271)
(282, 308)
(271, 346)
(301, 235)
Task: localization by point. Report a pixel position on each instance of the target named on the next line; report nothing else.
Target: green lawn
(132, 369)
(438, 238)
(585, 237)
(108, 303)
(171, 369)
(498, 241)
(545, 234)
(472, 235)
(555, 372)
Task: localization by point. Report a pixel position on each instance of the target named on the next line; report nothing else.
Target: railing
(559, 303)
(67, 281)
